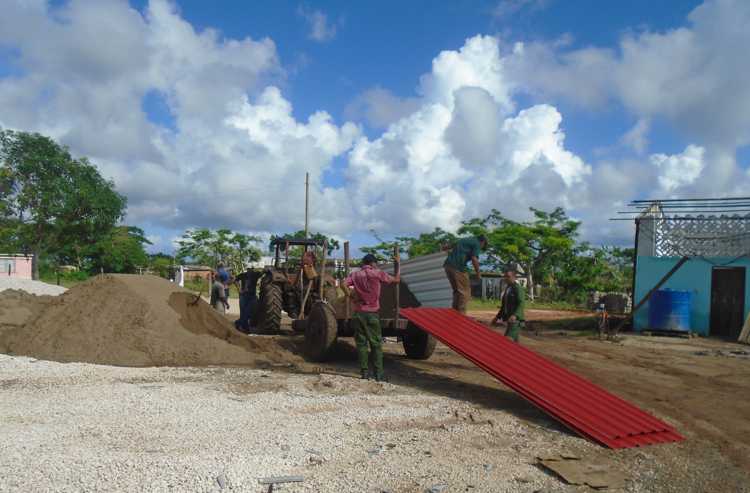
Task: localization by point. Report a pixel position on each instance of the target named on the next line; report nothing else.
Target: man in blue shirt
(223, 277)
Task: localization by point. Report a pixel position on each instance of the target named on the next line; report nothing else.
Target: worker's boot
(364, 375)
(381, 378)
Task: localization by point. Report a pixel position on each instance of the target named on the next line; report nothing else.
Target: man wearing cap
(511, 311)
(218, 294)
(367, 332)
(465, 250)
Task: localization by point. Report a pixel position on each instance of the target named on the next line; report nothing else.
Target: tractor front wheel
(418, 344)
(269, 309)
(321, 331)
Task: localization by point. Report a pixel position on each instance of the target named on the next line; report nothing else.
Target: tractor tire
(269, 309)
(418, 344)
(321, 332)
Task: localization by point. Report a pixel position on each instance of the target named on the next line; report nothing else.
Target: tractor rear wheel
(418, 344)
(269, 309)
(321, 331)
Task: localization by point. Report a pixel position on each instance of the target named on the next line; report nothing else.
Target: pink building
(19, 266)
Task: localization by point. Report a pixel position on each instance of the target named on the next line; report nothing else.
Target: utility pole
(307, 202)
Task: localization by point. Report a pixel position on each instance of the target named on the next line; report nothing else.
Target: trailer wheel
(418, 344)
(269, 309)
(321, 331)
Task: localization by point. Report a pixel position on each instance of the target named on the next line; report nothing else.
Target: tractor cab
(290, 259)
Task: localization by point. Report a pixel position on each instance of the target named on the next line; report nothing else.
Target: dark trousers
(369, 338)
(248, 303)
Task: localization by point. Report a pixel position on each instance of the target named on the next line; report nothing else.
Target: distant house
(18, 266)
(713, 238)
(197, 271)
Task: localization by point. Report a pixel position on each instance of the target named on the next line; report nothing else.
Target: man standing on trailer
(465, 250)
(512, 306)
(367, 331)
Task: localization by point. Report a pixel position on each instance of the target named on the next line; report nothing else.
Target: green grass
(553, 305)
(66, 282)
(479, 304)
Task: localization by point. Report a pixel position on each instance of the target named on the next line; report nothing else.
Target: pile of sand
(129, 320)
(18, 306)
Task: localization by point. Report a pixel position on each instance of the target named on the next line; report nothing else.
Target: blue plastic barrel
(670, 310)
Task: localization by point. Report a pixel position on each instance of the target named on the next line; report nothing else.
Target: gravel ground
(81, 427)
(32, 287)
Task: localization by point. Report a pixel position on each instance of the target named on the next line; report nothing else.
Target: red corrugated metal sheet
(579, 404)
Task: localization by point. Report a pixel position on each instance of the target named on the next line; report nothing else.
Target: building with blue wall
(694, 276)
(716, 272)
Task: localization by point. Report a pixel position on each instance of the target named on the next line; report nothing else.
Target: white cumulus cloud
(679, 169)
(233, 154)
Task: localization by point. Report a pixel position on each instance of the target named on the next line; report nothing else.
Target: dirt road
(698, 385)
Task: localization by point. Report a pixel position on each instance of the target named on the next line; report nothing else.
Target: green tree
(52, 204)
(161, 264)
(539, 246)
(121, 251)
(424, 244)
(212, 247)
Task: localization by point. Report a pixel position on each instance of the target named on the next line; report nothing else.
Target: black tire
(269, 309)
(418, 344)
(321, 331)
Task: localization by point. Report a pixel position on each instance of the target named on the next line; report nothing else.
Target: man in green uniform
(465, 250)
(512, 306)
(367, 332)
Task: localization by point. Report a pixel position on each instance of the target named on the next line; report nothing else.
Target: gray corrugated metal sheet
(426, 278)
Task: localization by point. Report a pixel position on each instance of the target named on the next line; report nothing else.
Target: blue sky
(372, 35)
(409, 115)
(390, 44)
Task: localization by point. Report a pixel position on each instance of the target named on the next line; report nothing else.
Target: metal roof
(574, 401)
(426, 279)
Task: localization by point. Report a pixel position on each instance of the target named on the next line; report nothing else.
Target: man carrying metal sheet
(367, 332)
(512, 306)
(465, 250)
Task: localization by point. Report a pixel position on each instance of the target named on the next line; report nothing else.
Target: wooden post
(323, 269)
(346, 274)
(307, 202)
(397, 293)
(635, 262)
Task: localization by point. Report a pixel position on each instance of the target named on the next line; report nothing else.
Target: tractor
(291, 284)
(330, 317)
(322, 310)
